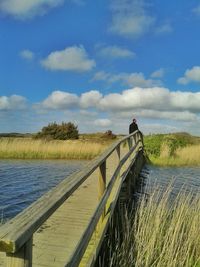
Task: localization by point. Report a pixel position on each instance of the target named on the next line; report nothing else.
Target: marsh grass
(27, 148)
(179, 149)
(163, 233)
(185, 156)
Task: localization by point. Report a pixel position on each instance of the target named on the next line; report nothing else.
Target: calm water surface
(24, 181)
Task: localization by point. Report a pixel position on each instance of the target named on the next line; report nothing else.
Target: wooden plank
(112, 204)
(76, 258)
(67, 230)
(22, 258)
(15, 233)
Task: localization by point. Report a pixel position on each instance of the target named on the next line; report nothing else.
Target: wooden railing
(16, 235)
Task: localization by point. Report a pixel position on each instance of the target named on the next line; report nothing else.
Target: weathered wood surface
(23, 258)
(80, 210)
(55, 241)
(110, 198)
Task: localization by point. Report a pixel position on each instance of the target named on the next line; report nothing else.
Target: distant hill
(19, 135)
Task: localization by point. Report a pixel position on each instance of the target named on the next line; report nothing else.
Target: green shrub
(153, 143)
(174, 142)
(56, 131)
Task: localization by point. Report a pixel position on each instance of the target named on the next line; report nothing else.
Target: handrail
(19, 231)
(76, 257)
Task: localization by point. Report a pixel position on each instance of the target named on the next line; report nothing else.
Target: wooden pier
(67, 225)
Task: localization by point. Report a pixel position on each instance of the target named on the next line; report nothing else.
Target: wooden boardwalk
(55, 241)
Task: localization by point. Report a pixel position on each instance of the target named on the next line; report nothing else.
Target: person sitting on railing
(133, 126)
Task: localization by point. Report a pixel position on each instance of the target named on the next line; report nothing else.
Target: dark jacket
(133, 127)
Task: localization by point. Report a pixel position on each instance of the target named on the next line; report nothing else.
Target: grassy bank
(161, 234)
(173, 149)
(27, 148)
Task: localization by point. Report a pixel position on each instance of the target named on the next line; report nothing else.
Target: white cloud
(164, 28)
(191, 75)
(149, 128)
(155, 98)
(103, 123)
(155, 104)
(185, 100)
(101, 76)
(74, 58)
(115, 52)
(155, 114)
(130, 18)
(158, 73)
(93, 111)
(138, 79)
(196, 10)
(148, 98)
(27, 8)
(90, 99)
(60, 100)
(176, 115)
(88, 113)
(129, 79)
(13, 102)
(27, 54)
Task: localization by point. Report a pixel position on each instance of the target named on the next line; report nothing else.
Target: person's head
(134, 120)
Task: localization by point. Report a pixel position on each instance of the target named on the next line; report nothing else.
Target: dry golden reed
(18, 148)
(162, 234)
(186, 156)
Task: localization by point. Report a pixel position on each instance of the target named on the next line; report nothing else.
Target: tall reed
(163, 233)
(186, 156)
(26, 148)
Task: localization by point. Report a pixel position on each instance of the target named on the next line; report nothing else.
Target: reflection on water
(187, 178)
(24, 181)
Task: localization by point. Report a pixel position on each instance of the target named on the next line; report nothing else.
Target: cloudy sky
(99, 64)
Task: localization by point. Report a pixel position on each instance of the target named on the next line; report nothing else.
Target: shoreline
(153, 162)
(171, 162)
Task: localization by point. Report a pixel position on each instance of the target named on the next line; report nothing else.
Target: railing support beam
(102, 182)
(118, 152)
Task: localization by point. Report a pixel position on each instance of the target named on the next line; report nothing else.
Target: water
(24, 181)
(186, 178)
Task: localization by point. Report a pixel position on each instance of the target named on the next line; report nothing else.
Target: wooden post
(118, 152)
(102, 182)
(22, 258)
(135, 138)
(129, 143)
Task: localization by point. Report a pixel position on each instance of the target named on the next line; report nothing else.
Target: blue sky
(99, 64)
